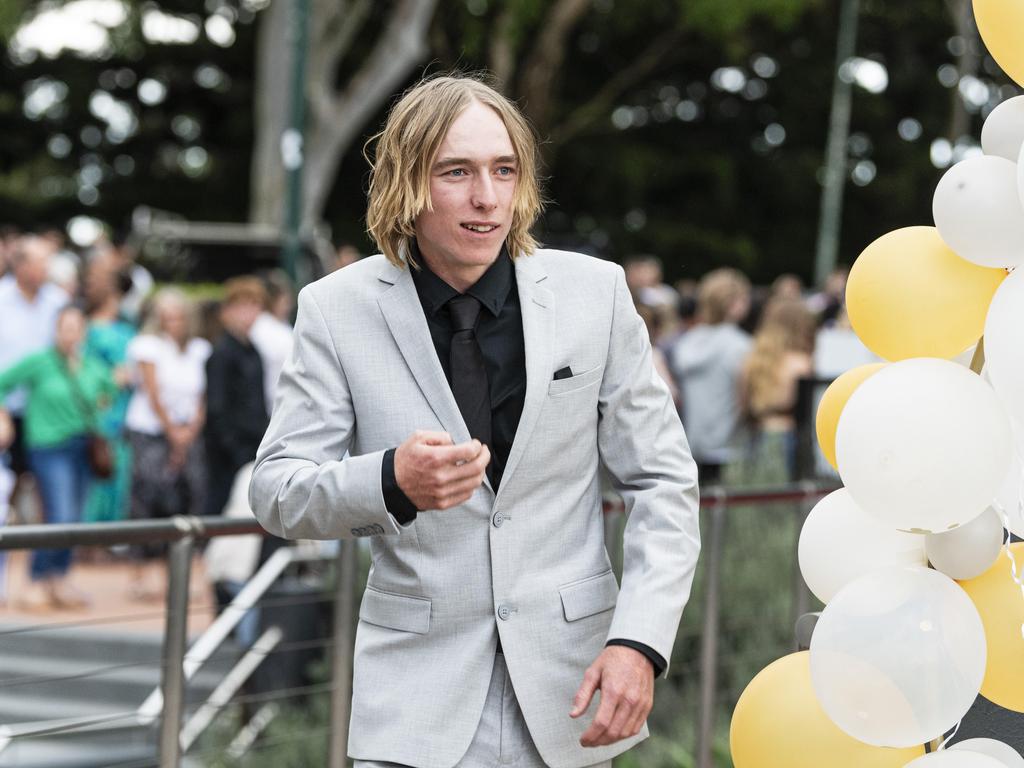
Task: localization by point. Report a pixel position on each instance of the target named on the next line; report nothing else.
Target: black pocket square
(563, 373)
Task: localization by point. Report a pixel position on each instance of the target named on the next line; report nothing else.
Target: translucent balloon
(1003, 132)
(839, 543)
(1004, 342)
(910, 295)
(968, 551)
(898, 656)
(978, 213)
(1004, 753)
(778, 723)
(959, 759)
(923, 445)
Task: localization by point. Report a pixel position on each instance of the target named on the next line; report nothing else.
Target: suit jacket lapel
(538, 308)
(403, 314)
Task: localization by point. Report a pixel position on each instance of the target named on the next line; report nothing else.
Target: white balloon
(970, 550)
(1010, 497)
(1004, 753)
(1020, 177)
(1003, 131)
(898, 656)
(1004, 345)
(923, 445)
(839, 543)
(978, 212)
(959, 759)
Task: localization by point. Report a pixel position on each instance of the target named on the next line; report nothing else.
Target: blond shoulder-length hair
(406, 148)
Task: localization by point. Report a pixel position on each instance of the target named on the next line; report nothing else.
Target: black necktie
(469, 376)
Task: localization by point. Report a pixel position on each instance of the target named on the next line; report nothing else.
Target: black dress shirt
(499, 331)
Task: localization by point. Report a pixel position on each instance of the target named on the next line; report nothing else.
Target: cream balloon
(978, 213)
(968, 551)
(959, 759)
(898, 656)
(923, 445)
(1002, 135)
(839, 543)
(1004, 342)
(1004, 753)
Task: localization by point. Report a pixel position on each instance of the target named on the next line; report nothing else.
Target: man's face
(33, 270)
(472, 186)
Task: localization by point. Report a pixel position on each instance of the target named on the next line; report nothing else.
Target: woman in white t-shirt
(165, 417)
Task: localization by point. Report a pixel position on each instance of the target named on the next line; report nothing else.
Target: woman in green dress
(107, 340)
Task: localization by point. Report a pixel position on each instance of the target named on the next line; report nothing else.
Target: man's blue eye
(506, 170)
(457, 172)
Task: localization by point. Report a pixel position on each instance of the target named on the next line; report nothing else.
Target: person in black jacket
(236, 412)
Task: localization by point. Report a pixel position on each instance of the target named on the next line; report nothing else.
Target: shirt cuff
(395, 500)
(652, 655)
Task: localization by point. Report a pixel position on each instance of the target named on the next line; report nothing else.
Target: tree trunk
(270, 112)
(334, 118)
(340, 119)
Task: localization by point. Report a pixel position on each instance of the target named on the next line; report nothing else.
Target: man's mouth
(483, 228)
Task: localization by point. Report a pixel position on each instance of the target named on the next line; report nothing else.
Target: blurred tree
(692, 129)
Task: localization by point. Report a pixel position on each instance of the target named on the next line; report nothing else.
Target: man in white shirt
(29, 306)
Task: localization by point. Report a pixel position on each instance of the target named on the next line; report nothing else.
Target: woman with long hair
(67, 392)
(782, 354)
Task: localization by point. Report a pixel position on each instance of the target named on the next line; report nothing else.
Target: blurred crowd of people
(733, 356)
(123, 399)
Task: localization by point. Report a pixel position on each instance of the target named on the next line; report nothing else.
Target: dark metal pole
(829, 223)
(292, 141)
(709, 636)
(172, 685)
(344, 644)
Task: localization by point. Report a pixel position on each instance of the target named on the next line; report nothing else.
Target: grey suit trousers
(501, 738)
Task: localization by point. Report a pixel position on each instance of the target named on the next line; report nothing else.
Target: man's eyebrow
(448, 162)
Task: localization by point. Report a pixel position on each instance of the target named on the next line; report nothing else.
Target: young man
(452, 400)
(236, 410)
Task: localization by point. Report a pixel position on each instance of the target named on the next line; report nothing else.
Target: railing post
(801, 595)
(709, 636)
(341, 661)
(172, 685)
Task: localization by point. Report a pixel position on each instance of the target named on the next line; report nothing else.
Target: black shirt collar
(491, 290)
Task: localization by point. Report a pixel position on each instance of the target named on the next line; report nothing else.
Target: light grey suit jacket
(528, 564)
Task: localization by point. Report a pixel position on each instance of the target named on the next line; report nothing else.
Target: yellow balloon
(1001, 605)
(909, 295)
(778, 723)
(1001, 23)
(832, 403)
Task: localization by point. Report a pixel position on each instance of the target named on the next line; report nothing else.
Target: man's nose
(484, 196)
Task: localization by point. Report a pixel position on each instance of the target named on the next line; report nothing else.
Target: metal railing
(167, 702)
(178, 665)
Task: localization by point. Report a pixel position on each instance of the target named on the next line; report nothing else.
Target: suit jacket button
(504, 612)
(498, 519)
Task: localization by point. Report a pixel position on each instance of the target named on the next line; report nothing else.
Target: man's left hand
(625, 678)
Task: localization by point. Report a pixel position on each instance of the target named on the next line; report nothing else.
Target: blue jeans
(62, 472)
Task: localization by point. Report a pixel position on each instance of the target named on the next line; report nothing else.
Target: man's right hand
(435, 474)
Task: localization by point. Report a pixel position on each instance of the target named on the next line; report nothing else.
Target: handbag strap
(88, 413)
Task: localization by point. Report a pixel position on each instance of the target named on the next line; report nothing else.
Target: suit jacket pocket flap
(579, 381)
(386, 609)
(590, 596)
